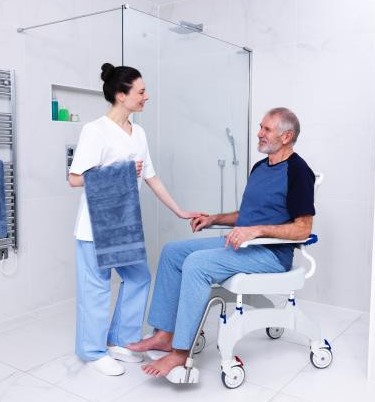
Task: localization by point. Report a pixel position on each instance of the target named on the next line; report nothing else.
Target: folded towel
(3, 213)
(115, 214)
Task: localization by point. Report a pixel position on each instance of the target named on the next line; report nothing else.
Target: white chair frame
(240, 323)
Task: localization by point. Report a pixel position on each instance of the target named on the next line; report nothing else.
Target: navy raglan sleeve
(301, 179)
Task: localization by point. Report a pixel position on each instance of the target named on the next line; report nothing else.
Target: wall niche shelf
(82, 104)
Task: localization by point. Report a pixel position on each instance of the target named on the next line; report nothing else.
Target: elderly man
(278, 201)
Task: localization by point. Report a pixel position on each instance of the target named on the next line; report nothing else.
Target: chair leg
(239, 325)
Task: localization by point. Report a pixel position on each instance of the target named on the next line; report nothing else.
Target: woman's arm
(162, 193)
(75, 180)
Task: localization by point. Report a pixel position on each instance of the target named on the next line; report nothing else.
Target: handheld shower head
(230, 136)
(235, 163)
(231, 140)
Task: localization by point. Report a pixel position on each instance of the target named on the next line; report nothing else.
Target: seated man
(278, 202)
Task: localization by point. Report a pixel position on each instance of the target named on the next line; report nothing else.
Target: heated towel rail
(8, 156)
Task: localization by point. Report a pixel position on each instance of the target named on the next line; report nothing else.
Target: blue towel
(3, 213)
(115, 214)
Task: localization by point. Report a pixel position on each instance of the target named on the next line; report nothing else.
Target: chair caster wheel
(201, 343)
(274, 332)
(236, 375)
(322, 358)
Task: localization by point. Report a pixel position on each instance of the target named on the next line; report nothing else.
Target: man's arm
(202, 222)
(299, 229)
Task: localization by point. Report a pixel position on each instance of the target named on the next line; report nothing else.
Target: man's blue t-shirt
(277, 194)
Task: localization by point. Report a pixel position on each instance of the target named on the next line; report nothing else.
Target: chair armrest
(270, 240)
(302, 246)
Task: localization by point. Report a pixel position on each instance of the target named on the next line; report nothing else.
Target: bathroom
(315, 57)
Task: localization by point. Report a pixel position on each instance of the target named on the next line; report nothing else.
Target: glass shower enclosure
(196, 120)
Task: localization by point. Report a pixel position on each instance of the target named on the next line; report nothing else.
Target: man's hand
(201, 222)
(238, 235)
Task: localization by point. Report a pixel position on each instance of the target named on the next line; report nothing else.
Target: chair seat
(274, 283)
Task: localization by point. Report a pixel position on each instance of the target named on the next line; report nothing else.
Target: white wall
(316, 57)
(70, 54)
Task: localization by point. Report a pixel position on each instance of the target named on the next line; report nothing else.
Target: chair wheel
(237, 377)
(321, 359)
(275, 332)
(201, 343)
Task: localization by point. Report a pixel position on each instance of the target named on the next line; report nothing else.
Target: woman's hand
(139, 167)
(238, 235)
(200, 222)
(189, 215)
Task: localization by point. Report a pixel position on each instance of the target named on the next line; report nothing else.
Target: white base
(178, 375)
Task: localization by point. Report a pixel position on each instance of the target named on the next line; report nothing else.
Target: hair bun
(107, 71)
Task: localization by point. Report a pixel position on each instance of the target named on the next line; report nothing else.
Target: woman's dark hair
(117, 79)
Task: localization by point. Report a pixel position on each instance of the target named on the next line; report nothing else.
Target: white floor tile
(66, 310)
(72, 375)
(36, 343)
(287, 398)
(23, 387)
(6, 371)
(209, 389)
(345, 380)
(37, 363)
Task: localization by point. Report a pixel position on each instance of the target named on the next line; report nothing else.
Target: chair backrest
(319, 177)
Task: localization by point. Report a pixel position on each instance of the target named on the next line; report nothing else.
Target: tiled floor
(37, 364)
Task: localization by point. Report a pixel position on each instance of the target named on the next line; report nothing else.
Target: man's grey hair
(288, 121)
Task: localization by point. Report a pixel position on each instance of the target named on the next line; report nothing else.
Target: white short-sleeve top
(103, 142)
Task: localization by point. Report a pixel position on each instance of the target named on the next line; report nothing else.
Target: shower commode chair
(274, 320)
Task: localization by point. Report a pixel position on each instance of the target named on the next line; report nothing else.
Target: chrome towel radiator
(8, 156)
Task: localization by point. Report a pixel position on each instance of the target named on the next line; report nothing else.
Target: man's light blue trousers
(186, 271)
(94, 329)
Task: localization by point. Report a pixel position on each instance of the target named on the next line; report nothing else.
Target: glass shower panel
(204, 89)
(199, 103)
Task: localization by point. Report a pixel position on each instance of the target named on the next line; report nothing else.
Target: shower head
(230, 136)
(186, 27)
(232, 143)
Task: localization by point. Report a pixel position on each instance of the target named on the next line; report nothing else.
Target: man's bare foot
(160, 340)
(162, 367)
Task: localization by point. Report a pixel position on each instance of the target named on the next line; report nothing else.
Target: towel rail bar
(8, 142)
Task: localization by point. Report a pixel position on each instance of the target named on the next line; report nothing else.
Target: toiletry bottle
(55, 108)
(64, 113)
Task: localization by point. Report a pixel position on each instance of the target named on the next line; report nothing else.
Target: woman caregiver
(109, 139)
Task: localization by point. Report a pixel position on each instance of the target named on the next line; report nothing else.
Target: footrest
(178, 375)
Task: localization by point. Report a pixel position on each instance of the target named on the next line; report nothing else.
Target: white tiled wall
(315, 57)
(71, 53)
(318, 58)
